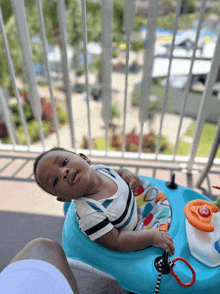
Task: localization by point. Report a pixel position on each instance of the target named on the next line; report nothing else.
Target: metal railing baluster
(129, 14)
(13, 78)
(201, 17)
(61, 13)
(204, 104)
(175, 28)
(84, 33)
(25, 44)
(107, 38)
(7, 118)
(45, 46)
(148, 66)
(212, 155)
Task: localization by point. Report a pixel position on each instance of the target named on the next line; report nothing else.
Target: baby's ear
(85, 158)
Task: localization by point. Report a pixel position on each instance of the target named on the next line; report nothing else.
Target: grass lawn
(99, 144)
(208, 132)
(157, 91)
(205, 143)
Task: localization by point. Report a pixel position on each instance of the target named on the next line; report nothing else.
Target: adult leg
(51, 252)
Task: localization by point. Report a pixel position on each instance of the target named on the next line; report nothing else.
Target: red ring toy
(178, 279)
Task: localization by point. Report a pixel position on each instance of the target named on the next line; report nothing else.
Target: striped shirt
(98, 217)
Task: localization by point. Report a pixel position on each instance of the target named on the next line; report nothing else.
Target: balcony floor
(27, 212)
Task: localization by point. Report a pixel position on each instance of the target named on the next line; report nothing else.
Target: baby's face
(64, 174)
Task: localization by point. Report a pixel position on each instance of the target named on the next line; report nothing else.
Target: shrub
(164, 144)
(6, 140)
(80, 71)
(32, 124)
(85, 143)
(23, 92)
(3, 129)
(16, 118)
(132, 142)
(47, 112)
(14, 108)
(137, 46)
(115, 112)
(33, 131)
(149, 142)
(115, 141)
(11, 90)
(27, 112)
(62, 115)
(115, 53)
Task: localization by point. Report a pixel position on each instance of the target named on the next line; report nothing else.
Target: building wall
(194, 102)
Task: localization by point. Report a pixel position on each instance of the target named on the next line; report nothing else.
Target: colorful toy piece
(199, 213)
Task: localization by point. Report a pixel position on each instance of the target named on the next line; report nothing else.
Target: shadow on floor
(18, 229)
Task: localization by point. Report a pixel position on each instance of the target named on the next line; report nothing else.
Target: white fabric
(33, 276)
(96, 217)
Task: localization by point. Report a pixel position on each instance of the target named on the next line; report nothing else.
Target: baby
(104, 202)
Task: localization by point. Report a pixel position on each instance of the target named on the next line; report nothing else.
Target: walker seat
(136, 271)
(153, 207)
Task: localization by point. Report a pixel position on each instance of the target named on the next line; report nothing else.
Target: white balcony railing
(149, 64)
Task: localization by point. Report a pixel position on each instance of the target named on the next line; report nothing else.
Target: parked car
(118, 66)
(133, 68)
(96, 92)
(79, 88)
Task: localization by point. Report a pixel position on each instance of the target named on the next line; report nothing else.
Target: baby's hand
(163, 240)
(132, 180)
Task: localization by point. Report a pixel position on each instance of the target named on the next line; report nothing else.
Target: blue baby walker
(195, 229)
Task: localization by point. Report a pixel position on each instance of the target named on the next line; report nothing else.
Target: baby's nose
(65, 173)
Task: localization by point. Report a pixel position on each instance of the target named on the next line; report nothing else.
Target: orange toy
(199, 213)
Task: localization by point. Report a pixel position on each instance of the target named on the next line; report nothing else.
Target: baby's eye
(55, 182)
(65, 161)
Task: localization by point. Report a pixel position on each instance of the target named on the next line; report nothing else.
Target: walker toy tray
(203, 231)
(136, 271)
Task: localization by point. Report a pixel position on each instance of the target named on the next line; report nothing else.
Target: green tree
(118, 15)
(188, 6)
(6, 10)
(15, 52)
(94, 20)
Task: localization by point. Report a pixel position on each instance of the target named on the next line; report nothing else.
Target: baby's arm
(130, 178)
(127, 241)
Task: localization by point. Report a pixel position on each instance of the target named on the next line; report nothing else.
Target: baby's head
(62, 173)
